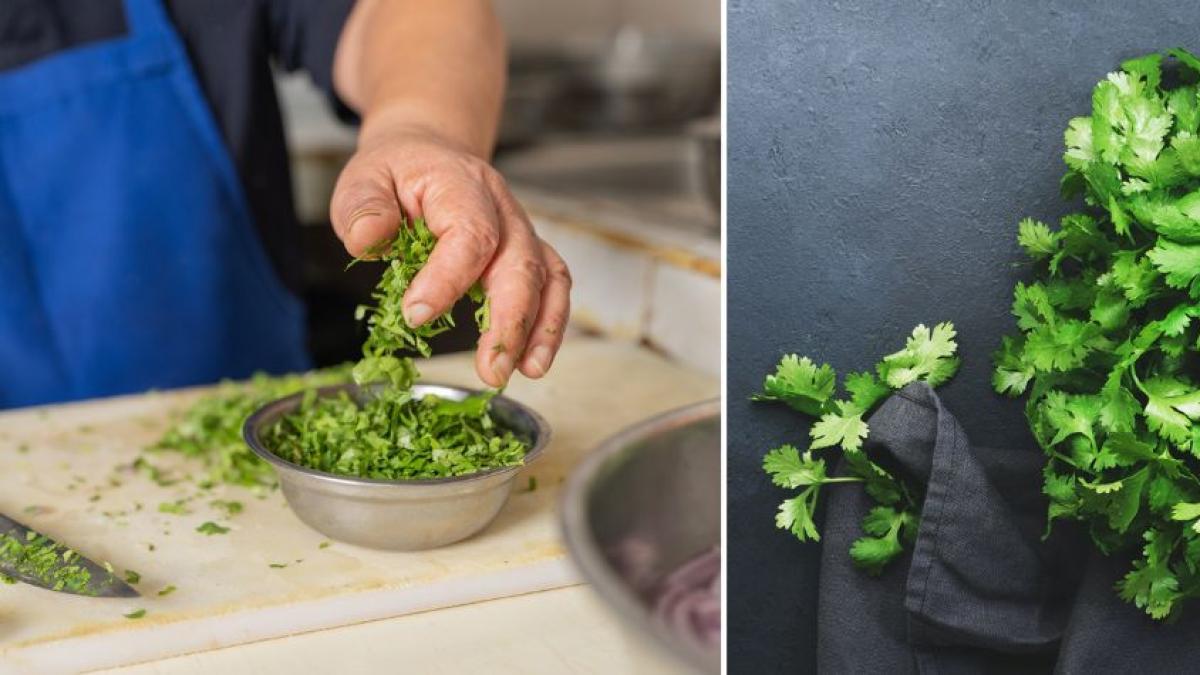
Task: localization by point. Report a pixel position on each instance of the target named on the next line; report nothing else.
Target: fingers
(546, 336)
(465, 219)
(364, 209)
(514, 283)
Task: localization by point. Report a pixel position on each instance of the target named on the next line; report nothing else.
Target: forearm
(436, 67)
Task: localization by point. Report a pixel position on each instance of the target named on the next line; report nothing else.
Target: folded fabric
(980, 591)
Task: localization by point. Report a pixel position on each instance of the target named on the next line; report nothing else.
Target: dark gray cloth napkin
(981, 591)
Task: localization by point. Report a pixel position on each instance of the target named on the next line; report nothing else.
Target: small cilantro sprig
(1108, 346)
(928, 356)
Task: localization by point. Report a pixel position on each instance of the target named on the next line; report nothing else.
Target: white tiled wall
(625, 292)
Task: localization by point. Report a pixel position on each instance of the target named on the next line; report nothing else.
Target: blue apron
(128, 257)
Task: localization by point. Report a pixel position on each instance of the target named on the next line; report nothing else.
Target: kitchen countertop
(553, 632)
(227, 594)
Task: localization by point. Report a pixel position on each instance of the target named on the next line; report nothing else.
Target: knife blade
(31, 557)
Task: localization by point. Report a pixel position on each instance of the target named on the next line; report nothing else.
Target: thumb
(364, 209)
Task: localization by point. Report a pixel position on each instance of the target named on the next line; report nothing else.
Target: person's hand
(483, 234)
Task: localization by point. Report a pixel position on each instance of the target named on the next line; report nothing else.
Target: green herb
(159, 476)
(1107, 349)
(167, 591)
(277, 566)
(132, 577)
(532, 484)
(231, 508)
(211, 429)
(394, 436)
(388, 332)
(49, 564)
(798, 382)
(136, 614)
(323, 544)
(210, 528)
(177, 507)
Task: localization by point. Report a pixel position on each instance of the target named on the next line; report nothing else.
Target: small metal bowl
(641, 505)
(405, 515)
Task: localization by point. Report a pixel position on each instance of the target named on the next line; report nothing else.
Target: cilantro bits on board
(1107, 349)
(211, 429)
(928, 356)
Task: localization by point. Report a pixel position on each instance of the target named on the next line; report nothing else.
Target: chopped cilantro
(132, 577)
(167, 590)
(51, 565)
(231, 508)
(136, 614)
(394, 436)
(177, 507)
(210, 528)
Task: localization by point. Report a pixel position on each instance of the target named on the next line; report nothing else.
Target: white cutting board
(227, 593)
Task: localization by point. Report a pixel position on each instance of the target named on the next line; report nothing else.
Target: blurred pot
(641, 505)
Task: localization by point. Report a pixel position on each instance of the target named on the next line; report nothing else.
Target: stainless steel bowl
(657, 484)
(398, 515)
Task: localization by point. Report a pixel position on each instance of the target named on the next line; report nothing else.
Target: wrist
(430, 122)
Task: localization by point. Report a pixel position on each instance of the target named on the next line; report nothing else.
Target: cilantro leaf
(928, 355)
(844, 427)
(796, 515)
(787, 469)
(883, 525)
(800, 383)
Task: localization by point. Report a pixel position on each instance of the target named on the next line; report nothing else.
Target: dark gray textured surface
(880, 156)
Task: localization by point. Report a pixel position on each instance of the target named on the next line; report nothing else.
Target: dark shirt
(232, 44)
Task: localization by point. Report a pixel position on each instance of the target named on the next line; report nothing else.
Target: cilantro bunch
(1107, 348)
(394, 436)
(928, 356)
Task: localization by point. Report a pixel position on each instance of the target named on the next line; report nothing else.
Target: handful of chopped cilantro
(389, 333)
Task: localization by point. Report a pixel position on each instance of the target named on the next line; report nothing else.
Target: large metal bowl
(658, 485)
(398, 515)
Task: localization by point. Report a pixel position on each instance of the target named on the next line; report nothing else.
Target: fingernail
(417, 314)
(540, 357)
(502, 367)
